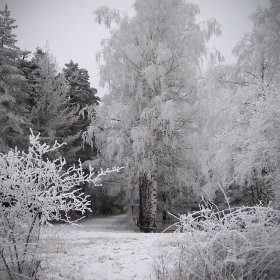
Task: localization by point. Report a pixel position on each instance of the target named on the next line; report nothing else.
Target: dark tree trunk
(144, 200)
(265, 193)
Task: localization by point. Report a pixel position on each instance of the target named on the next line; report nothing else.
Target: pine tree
(51, 112)
(80, 94)
(80, 91)
(13, 107)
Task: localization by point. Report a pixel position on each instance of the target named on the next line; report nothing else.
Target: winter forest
(182, 143)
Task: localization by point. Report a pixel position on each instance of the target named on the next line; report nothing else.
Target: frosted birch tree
(259, 63)
(150, 65)
(242, 103)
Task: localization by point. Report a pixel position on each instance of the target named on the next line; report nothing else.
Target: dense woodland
(183, 134)
(175, 137)
(180, 133)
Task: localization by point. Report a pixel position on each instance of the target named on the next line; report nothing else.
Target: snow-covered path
(104, 248)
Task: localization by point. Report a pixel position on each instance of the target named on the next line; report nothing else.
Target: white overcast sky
(71, 32)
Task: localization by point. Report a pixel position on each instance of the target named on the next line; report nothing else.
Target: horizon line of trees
(35, 94)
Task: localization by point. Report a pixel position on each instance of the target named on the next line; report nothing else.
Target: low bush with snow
(240, 243)
(34, 191)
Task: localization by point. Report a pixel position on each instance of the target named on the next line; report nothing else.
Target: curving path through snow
(99, 249)
(118, 223)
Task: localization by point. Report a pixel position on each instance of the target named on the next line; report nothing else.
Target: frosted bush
(33, 192)
(240, 243)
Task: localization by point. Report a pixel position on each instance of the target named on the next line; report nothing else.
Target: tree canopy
(13, 107)
(151, 64)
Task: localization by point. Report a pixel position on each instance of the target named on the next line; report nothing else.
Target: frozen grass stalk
(236, 243)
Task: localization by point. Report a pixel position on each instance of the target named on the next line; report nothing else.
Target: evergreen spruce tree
(13, 107)
(51, 112)
(80, 94)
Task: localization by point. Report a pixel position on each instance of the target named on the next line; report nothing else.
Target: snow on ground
(102, 248)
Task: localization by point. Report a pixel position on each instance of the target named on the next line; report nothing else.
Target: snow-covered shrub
(240, 243)
(34, 191)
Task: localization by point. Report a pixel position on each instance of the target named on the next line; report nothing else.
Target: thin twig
(225, 197)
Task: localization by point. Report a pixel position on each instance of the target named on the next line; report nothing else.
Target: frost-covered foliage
(241, 243)
(240, 104)
(258, 51)
(240, 146)
(150, 64)
(35, 191)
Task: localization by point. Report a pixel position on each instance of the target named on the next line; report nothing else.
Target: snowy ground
(103, 248)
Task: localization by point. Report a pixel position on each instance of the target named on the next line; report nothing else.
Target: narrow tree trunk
(93, 203)
(266, 188)
(153, 192)
(141, 214)
(144, 216)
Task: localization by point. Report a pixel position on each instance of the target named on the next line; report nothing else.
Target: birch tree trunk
(144, 217)
(154, 183)
(148, 202)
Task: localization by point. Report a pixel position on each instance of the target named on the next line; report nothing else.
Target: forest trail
(117, 223)
(101, 249)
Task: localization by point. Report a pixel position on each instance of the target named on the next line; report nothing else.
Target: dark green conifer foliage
(13, 107)
(81, 94)
(51, 111)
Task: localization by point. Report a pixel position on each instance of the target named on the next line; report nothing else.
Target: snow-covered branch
(34, 191)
